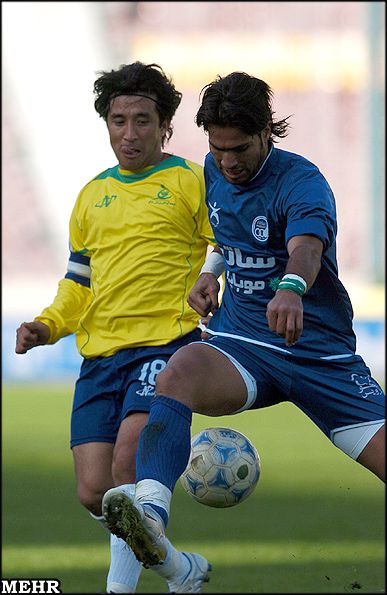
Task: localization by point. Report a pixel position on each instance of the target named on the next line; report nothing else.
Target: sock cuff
(100, 519)
(185, 411)
(154, 492)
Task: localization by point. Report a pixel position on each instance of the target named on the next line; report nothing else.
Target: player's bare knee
(91, 499)
(173, 378)
(166, 381)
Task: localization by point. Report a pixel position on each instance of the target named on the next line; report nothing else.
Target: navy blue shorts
(108, 388)
(333, 393)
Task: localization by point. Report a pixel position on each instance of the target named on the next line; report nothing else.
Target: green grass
(315, 523)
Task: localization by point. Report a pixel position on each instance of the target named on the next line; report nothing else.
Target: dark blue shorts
(333, 393)
(108, 388)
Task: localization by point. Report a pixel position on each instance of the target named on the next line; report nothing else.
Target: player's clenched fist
(284, 314)
(203, 297)
(31, 334)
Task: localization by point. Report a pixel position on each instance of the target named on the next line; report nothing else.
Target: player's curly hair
(241, 101)
(138, 78)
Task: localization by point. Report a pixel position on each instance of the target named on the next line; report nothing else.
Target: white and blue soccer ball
(223, 468)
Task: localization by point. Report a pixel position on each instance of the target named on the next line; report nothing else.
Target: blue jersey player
(283, 331)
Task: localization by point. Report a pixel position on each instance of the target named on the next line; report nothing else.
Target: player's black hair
(241, 101)
(138, 78)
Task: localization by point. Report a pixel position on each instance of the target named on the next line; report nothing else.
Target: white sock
(125, 569)
(176, 566)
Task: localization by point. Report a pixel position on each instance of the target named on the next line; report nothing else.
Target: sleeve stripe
(78, 279)
(78, 257)
(79, 269)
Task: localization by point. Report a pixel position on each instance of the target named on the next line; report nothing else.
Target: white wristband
(296, 278)
(214, 264)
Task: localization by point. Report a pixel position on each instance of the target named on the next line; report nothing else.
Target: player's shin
(124, 570)
(163, 453)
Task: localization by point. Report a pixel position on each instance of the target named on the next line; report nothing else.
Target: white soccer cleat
(138, 525)
(195, 578)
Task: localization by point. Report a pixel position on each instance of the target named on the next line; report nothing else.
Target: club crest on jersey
(164, 193)
(164, 197)
(260, 229)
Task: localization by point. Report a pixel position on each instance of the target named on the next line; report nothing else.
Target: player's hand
(284, 314)
(31, 334)
(203, 297)
(204, 322)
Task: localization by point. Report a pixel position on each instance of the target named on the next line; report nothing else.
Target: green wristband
(292, 284)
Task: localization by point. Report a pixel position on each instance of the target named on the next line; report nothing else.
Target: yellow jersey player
(139, 234)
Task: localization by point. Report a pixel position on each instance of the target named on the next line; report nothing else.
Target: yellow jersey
(137, 244)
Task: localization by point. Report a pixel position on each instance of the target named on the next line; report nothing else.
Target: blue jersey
(252, 224)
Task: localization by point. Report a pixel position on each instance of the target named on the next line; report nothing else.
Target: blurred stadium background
(324, 61)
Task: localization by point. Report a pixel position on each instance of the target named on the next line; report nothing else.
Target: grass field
(315, 523)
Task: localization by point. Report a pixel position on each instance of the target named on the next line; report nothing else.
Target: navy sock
(165, 442)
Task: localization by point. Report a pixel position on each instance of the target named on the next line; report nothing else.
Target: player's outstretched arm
(31, 334)
(285, 311)
(203, 297)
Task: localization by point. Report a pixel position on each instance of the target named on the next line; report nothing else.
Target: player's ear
(265, 133)
(164, 126)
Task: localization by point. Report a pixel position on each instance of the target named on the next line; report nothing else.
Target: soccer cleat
(195, 578)
(138, 525)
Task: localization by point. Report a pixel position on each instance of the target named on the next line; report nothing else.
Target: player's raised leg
(184, 572)
(164, 444)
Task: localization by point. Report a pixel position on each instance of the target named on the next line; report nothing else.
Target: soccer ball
(223, 468)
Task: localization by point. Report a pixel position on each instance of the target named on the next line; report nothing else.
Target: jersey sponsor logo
(106, 201)
(246, 285)
(214, 217)
(260, 229)
(164, 197)
(234, 256)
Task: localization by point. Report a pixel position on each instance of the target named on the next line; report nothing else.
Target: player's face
(135, 132)
(237, 155)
